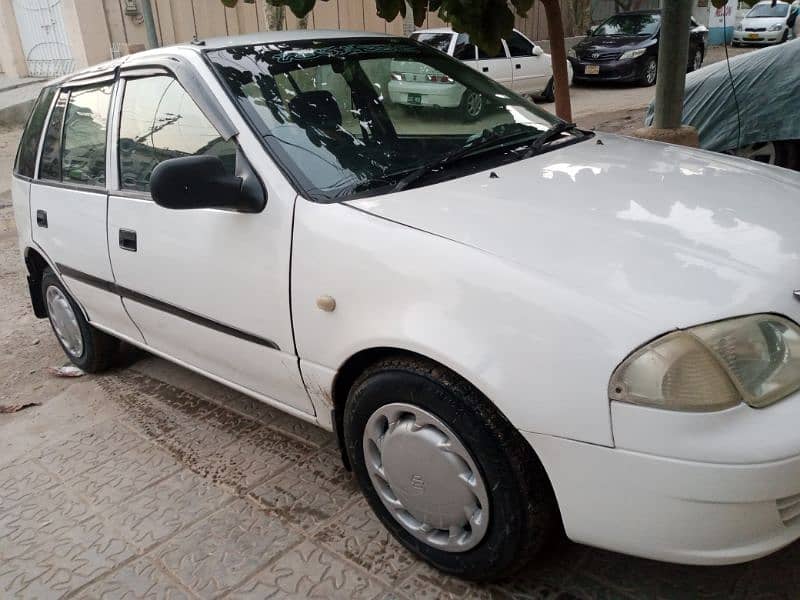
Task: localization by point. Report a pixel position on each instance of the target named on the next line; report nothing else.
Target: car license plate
(752, 36)
(592, 70)
(414, 99)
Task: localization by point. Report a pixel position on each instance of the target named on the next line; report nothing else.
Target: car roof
(769, 2)
(216, 43)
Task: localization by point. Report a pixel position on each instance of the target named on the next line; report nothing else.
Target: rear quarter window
(25, 162)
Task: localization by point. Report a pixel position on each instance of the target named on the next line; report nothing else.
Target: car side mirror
(201, 182)
(590, 31)
(537, 50)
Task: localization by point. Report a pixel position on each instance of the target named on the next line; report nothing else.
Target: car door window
(519, 46)
(83, 154)
(25, 162)
(159, 121)
(499, 54)
(465, 49)
(50, 163)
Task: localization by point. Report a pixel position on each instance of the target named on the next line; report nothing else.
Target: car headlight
(739, 27)
(632, 54)
(753, 359)
(776, 27)
(571, 53)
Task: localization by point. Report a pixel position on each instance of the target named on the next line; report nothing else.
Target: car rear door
(497, 66)
(207, 287)
(68, 201)
(530, 73)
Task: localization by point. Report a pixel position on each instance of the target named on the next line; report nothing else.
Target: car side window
(519, 46)
(25, 163)
(159, 121)
(83, 154)
(499, 54)
(50, 163)
(465, 49)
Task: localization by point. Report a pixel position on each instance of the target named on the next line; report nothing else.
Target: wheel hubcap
(425, 477)
(698, 60)
(474, 103)
(64, 321)
(651, 72)
(763, 152)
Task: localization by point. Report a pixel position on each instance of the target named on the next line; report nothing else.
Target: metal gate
(44, 39)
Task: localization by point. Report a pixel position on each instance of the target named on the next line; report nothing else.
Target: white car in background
(520, 65)
(767, 22)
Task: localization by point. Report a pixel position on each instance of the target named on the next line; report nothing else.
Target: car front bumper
(672, 509)
(442, 95)
(615, 70)
(761, 37)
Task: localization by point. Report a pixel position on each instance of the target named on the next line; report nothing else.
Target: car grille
(789, 509)
(755, 28)
(601, 56)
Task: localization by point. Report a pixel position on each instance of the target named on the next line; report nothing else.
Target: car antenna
(730, 77)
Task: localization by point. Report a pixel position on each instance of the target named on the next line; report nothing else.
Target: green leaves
(485, 21)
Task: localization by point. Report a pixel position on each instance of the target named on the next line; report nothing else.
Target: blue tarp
(768, 88)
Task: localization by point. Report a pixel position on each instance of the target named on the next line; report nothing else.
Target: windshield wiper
(546, 137)
(485, 142)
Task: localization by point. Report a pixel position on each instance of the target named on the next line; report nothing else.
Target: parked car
(767, 22)
(745, 124)
(624, 47)
(510, 326)
(519, 65)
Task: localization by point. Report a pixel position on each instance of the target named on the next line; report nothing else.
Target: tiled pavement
(168, 494)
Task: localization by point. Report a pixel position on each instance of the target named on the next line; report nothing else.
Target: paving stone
(308, 571)
(308, 493)
(166, 507)
(254, 457)
(221, 551)
(20, 481)
(39, 517)
(125, 475)
(139, 579)
(429, 584)
(65, 561)
(87, 449)
(358, 536)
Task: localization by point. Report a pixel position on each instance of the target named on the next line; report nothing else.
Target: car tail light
(441, 78)
(397, 76)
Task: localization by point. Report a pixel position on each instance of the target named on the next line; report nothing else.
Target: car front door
(207, 287)
(496, 66)
(68, 200)
(530, 72)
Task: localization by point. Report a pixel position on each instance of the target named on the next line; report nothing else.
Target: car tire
(785, 36)
(697, 60)
(784, 153)
(88, 348)
(472, 105)
(549, 93)
(649, 72)
(398, 414)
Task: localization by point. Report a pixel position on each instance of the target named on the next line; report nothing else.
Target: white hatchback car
(767, 22)
(520, 65)
(511, 324)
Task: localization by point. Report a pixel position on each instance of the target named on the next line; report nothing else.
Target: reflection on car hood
(763, 22)
(607, 42)
(665, 234)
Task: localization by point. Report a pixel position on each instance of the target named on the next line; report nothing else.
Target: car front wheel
(784, 153)
(472, 105)
(649, 72)
(88, 348)
(697, 60)
(445, 472)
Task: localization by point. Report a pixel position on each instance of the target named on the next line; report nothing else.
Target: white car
(511, 325)
(520, 65)
(767, 22)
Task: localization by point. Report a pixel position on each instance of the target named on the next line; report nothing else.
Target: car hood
(665, 235)
(607, 42)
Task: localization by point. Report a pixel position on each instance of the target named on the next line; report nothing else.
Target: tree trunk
(673, 57)
(558, 52)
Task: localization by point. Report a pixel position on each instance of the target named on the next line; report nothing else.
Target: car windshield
(357, 115)
(440, 41)
(638, 24)
(767, 10)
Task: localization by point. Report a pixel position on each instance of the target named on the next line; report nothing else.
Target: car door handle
(41, 218)
(518, 66)
(485, 69)
(127, 240)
